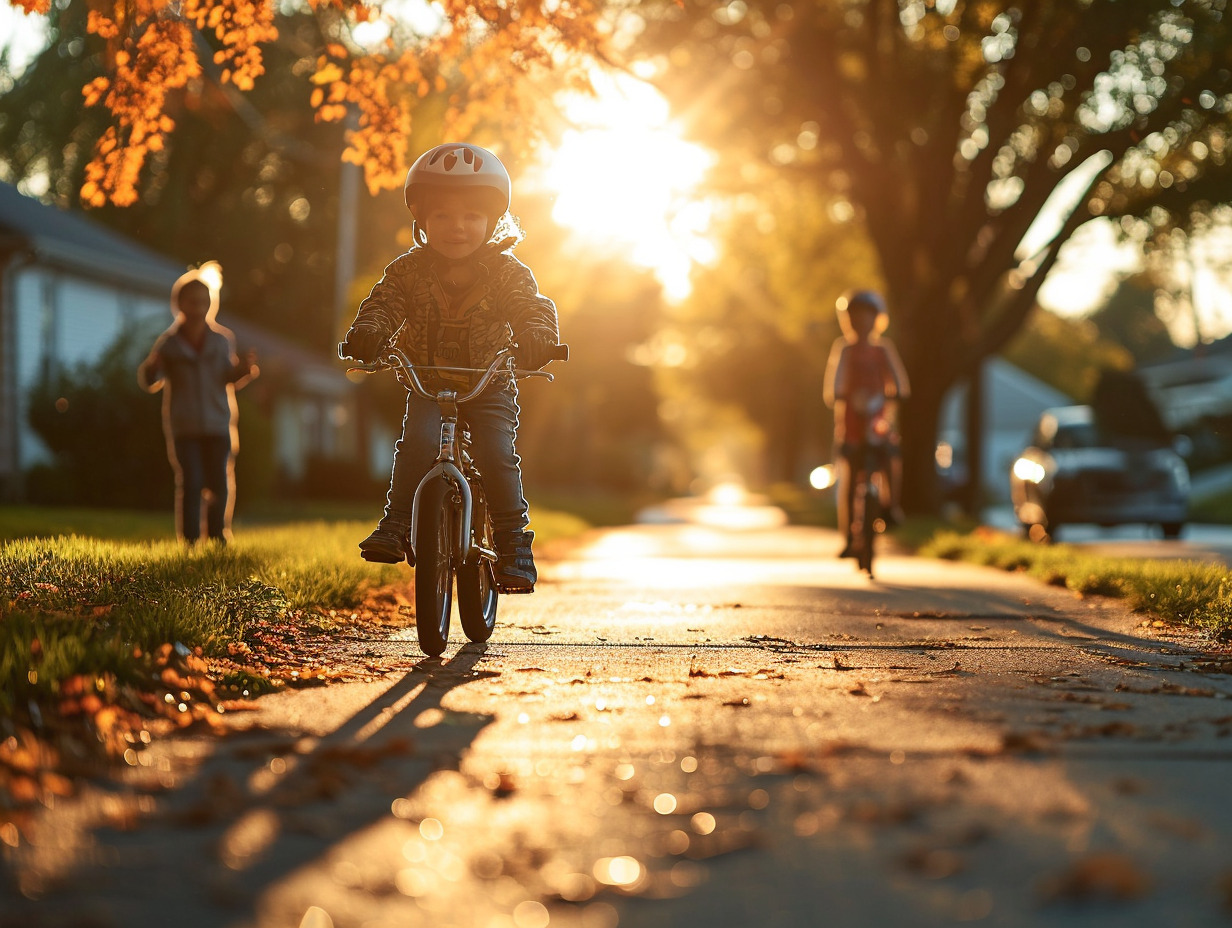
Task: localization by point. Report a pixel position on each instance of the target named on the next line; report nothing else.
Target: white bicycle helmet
(457, 164)
(869, 299)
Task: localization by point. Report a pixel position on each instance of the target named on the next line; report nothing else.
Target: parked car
(1073, 472)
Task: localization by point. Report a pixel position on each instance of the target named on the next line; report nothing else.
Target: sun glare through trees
(623, 176)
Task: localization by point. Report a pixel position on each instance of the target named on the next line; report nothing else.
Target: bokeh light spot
(617, 871)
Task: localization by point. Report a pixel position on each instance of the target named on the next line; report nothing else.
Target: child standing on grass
(455, 299)
(865, 379)
(195, 364)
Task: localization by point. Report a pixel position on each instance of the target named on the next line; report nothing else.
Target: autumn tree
(252, 180)
(944, 128)
(373, 69)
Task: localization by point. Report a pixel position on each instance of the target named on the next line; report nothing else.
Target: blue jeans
(204, 464)
(493, 420)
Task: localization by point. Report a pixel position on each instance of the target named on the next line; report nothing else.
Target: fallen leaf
(934, 863)
(1107, 876)
(1026, 742)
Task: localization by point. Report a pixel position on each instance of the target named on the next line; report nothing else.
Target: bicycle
(867, 466)
(451, 534)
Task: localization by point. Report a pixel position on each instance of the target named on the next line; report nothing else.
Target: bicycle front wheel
(870, 513)
(477, 594)
(435, 528)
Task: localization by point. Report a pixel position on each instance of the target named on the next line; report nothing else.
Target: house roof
(71, 240)
(74, 242)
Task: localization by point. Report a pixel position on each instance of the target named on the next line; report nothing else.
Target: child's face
(193, 301)
(863, 321)
(455, 225)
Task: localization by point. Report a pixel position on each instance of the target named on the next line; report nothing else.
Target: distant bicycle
(451, 534)
(867, 461)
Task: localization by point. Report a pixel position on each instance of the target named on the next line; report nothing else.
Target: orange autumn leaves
(472, 59)
(153, 52)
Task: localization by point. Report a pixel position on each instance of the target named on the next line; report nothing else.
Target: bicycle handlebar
(395, 359)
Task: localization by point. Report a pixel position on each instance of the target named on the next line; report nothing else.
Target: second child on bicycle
(456, 299)
(865, 379)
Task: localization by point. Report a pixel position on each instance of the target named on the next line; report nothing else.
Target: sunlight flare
(623, 177)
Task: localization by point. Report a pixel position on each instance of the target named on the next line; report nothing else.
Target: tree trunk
(918, 426)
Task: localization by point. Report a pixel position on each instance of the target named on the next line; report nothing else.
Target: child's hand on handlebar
(363, 343)
(531, 353)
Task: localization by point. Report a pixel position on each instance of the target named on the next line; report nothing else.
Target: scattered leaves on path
(92, 721)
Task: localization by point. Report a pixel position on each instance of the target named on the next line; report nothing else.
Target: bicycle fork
(446, 467)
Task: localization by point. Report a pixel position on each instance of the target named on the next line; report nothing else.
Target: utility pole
(349, 177)
(348, 230)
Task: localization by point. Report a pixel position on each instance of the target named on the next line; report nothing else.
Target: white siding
(29, 323)
(290, 445)
(62, 321)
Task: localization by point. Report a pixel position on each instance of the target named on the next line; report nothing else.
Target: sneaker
(514, 570)
(386, 545)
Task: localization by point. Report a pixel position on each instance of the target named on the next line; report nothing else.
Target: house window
(312, 419)
(48, 325)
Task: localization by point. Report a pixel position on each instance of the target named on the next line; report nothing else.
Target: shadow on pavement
(263, 803)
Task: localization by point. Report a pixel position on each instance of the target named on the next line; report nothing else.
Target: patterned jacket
(502, 308)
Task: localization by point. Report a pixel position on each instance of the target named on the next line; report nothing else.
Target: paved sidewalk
(693, 726)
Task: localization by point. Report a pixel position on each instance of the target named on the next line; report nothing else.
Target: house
(69, 286)
(1013, 401)
(1192, 384)
(1193, 390)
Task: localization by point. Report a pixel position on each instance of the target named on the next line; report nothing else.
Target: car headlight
(1028, 470)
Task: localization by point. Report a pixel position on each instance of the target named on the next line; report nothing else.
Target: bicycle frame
(452, 459)
(451, 532)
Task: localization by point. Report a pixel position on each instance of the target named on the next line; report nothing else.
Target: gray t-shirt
(198, 390)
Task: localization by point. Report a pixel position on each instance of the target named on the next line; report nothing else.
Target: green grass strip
(72, 604)
(1190, 593)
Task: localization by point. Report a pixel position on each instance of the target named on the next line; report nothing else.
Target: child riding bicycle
(456, 299)
(865, 379)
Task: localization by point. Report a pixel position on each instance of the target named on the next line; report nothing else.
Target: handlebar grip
(559, 353)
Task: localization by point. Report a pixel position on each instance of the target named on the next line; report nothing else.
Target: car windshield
(1076, 435)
